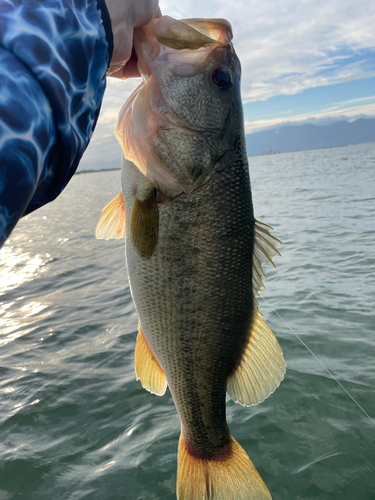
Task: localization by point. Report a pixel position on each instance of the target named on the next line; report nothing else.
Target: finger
(157, 13)
(138, 13)
(130, 70)
(144, 11)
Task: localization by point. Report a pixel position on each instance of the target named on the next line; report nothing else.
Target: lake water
(75, 424)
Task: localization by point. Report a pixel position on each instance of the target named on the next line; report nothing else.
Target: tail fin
(231, 478)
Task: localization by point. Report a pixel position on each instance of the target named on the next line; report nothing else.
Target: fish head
(187, 113)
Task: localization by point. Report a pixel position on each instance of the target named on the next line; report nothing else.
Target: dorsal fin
(111, 223)
(265, 247)
(262, 365)
(147, 367)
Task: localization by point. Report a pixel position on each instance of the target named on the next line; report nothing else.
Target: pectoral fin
(147, 367)
(144, 220)
(112, 221)
(261, 368)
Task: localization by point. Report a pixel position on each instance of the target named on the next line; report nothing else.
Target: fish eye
(222, 78)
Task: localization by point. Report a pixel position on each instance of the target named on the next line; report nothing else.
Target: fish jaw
(184, 44)
(135, 126)
(178, 124)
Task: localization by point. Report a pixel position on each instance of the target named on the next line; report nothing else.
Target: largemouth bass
(194, 250)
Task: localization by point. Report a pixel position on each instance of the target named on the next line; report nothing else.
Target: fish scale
(199, 293)
(194, 250)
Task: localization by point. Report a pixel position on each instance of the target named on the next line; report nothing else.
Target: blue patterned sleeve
(53, 59)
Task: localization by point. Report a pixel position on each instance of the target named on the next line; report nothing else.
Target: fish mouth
(192, 33)
(184, 42)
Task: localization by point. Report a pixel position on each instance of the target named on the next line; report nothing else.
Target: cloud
(323, 117)
(315, 76)
(284, 47)
(341, 104)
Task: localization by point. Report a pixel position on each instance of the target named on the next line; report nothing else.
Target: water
(74, 423)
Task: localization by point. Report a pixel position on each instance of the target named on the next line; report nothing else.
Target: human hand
(125, 16)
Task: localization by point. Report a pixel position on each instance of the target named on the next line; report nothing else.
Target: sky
(303, 61)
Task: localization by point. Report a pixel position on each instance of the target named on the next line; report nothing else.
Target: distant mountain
(299, 137)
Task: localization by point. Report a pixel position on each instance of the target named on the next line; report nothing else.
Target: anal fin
(111, 223)
(261, 368)
(147, 367)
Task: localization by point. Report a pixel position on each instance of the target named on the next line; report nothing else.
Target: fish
(194, 251)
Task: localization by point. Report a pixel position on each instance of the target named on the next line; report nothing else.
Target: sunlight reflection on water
(11, 322)
(17, 267)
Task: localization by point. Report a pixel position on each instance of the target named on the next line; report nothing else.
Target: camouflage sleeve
(53, 58)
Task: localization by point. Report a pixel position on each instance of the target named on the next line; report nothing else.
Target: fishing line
(318, 360)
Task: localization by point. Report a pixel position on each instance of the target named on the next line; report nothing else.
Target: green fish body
(194, 250)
